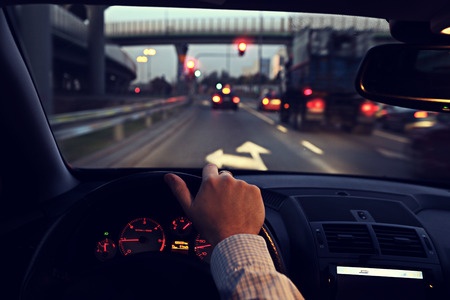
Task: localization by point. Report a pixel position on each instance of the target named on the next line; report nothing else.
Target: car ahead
(85, 212)
(225, 98)
(270, 101)
(401, 119)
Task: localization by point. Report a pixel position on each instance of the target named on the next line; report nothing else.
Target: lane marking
(324, 166)
(311, 147)
(254, 162)
(282, 129)
(392, 154)
(258, 115)
(391, 137)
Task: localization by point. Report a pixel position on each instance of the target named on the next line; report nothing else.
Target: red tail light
(236, 100)
(307, 91)
(265, 101)
(369, 109)
(216, 99)
(286, 106)
(316, 105)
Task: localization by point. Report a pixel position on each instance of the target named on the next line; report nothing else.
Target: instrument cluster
(145, 234)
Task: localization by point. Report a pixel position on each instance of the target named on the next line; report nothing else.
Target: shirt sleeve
(242, 268)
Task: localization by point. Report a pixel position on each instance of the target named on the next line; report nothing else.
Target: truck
(318, 84)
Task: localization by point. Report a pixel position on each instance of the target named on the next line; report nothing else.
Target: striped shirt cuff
(242, 268)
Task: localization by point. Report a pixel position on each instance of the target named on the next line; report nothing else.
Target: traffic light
(241, 48)
(190, 64)
(190, 67)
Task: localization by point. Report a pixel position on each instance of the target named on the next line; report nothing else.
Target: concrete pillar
(96, 48)
(37, 36)
(181, 50)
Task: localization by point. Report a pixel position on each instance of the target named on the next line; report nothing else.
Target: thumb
(180, 190)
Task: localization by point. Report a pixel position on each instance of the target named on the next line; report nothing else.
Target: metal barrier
(66, 126)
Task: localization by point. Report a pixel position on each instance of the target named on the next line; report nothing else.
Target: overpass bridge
(201, 31)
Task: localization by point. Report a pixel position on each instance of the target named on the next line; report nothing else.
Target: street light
(142, 59)
(145, 59)
(149, 51)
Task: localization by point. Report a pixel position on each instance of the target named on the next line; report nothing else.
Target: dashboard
(355, 238)
(336, 239)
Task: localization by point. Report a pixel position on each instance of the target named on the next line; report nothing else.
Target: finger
(180, 190)
(226, 172)
(210, 170)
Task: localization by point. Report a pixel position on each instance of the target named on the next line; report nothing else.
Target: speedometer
(142, 235)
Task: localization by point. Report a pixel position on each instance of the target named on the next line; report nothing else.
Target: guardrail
(66, 126)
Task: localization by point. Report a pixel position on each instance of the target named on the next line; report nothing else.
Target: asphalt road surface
(249, 139)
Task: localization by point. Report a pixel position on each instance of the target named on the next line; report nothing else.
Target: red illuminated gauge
(142, 235)
(181, 226)
(203, 249)
(105, 249)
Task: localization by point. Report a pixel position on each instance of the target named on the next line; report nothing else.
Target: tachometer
(142, 235)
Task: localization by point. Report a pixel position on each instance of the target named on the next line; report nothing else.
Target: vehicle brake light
(286, 106)
(316, 105)
(420, 114)
(276, 101)
(236, 100)
(265, 101)
(369, 109)
(216, 99)
(307, 92)
(226, 90)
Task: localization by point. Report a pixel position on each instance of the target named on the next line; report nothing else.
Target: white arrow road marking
(254, 162)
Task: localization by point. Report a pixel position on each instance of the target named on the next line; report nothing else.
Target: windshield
(178, 88)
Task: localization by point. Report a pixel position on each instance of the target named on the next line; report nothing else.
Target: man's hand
(223, 205)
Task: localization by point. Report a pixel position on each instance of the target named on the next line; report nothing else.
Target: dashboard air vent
(348, 238)
(399, 241)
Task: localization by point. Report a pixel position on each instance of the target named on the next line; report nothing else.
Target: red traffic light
(241, 48)
(190, 64)
(190, 67)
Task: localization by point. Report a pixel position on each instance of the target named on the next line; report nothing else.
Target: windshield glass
(177, 88)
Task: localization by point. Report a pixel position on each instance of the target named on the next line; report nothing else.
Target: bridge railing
(70, 125)
(199, 26)
(254, 25)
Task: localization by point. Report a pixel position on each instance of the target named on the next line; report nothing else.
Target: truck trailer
(319, 80)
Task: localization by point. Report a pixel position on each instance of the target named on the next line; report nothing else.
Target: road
(249, 139)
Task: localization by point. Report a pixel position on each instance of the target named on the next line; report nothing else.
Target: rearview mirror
(407, 75)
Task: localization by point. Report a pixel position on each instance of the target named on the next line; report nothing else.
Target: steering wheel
(64, 266)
